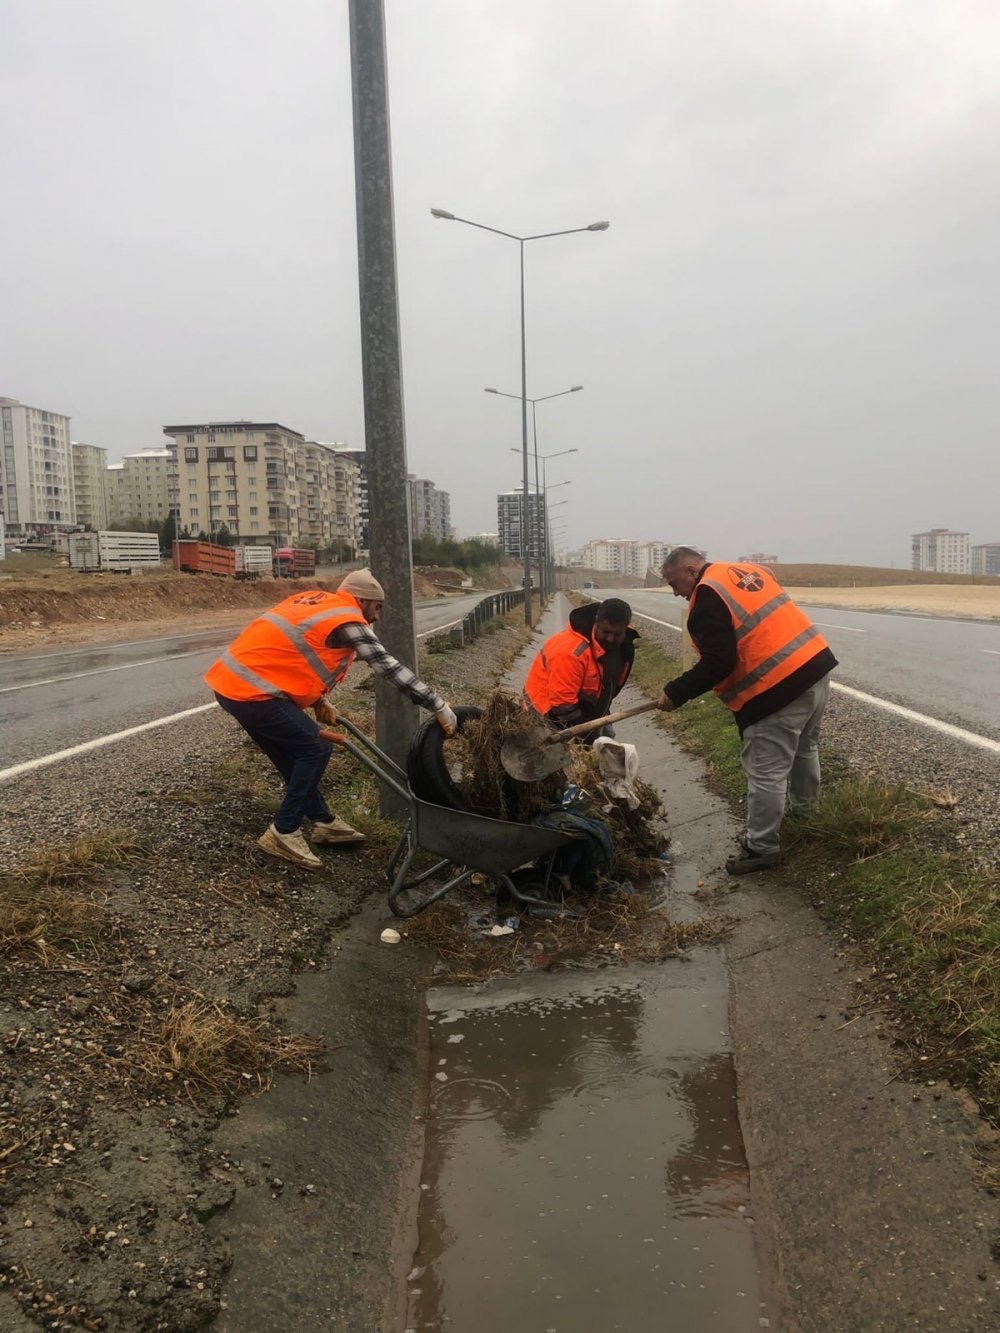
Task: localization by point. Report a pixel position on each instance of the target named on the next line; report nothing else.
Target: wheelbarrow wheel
(427, 762)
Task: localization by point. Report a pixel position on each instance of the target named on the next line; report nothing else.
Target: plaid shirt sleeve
(371, 650)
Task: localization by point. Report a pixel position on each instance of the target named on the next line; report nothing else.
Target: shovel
(539, 751)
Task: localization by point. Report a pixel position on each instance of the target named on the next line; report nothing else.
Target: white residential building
(986, 558)
(430, 510)
(90, 464)
(36, 468)
(942, 550)
(618, 555)
(145, 485)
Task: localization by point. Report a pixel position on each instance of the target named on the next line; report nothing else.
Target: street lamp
(445, 216)
(576, 388)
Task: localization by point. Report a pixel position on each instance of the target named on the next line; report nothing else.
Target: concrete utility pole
(385, 438)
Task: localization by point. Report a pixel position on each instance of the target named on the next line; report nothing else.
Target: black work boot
(746, 861)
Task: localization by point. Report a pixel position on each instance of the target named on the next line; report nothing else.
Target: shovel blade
(527, 759)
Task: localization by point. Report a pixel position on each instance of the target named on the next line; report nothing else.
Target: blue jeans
(291, 741)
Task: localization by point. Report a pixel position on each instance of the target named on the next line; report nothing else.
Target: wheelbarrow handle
(582, 728)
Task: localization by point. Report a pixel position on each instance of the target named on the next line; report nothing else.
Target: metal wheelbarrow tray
(468, 844)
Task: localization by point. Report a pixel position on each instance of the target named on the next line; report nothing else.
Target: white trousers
(780, 758)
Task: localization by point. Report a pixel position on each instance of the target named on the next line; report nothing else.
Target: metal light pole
(576, 388)
(522, 241)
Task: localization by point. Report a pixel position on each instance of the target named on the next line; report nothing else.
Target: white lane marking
(665, 623)
(103, 671)
(108, 647)
(945, 728)
(995, 652)
(438, 628)
(825, 624)
(30, 765)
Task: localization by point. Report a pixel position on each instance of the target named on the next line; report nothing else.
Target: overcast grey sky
(788, 337)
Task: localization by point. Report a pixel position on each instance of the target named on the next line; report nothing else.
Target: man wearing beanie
(284, 662)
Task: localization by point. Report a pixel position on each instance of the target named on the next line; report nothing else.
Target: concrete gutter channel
(862, 1211)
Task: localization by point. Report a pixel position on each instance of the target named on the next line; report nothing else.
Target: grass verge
(877, 859)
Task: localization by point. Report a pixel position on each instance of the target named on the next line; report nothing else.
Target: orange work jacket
(566, 670)
(283, 653)
(773, 637)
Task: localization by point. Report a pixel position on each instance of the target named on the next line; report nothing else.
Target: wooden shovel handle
(582, 728)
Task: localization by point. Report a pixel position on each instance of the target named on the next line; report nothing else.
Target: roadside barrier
(497, 604)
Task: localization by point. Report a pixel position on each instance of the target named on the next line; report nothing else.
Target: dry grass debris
(618, 929)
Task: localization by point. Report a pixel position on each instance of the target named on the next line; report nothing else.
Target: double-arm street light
(576, 388)
(522, 242)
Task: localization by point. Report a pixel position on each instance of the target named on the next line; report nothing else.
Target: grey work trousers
(780, 758)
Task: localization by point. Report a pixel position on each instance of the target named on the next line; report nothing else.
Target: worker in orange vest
(576, 673)
(284, 662)
(770, 665)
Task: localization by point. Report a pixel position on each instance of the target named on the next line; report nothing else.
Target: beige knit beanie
(363, 584)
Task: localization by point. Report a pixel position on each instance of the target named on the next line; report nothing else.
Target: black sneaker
(746, 861)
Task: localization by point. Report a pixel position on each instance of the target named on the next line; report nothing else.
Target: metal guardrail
(497, 604)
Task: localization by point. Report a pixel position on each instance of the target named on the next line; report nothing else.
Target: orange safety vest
(566, 670)
(283, 653)
(773, 637)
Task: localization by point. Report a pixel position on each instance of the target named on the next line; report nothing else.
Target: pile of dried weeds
(619, 929)
(638, 834)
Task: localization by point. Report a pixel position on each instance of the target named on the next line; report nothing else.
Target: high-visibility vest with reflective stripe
(549, 684)
(773, 637)
(283, 653)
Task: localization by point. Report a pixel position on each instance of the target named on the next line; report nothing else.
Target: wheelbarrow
(518, 858)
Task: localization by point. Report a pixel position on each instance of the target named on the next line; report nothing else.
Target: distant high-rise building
(942, 550)
(430, 510)
(90, 463)
(139, 488)
(759, 558)
(358, 456)
(36, 468)
(986, 558)
(509, 509)
(330, 497)
(618, 555)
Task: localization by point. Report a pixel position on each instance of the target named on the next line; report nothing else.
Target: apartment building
(330, 497)
(140, 490)
(942, 550)
(36, 468)
(509, 510)
(430, 510)
(759, 558)
(618, 555)
(242, 475)
(358, 456)
(986, 558)
(90, 464)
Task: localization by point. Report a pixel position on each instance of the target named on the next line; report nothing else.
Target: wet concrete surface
(585, 1166)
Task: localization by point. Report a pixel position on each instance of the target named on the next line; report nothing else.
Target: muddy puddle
(584, 1168)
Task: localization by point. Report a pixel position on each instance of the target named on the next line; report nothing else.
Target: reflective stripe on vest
(251, 677)
(759, 672)
(296, 635)
(774, 638)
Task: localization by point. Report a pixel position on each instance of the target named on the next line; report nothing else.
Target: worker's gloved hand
(325, 712)
(447, 720)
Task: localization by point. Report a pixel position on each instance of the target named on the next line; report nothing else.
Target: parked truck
(119, 552)
(294, 562)
(253, 562)
(194, 557)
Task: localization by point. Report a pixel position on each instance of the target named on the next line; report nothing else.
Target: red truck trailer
(204, 558)
(294, 562)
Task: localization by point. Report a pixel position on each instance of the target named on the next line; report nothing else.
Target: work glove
(324, 711)
(447, 720)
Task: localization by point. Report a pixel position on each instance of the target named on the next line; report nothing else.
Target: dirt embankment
(63, 606)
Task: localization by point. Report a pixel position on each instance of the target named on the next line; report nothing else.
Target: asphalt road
(946, 669)
(52, 701)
